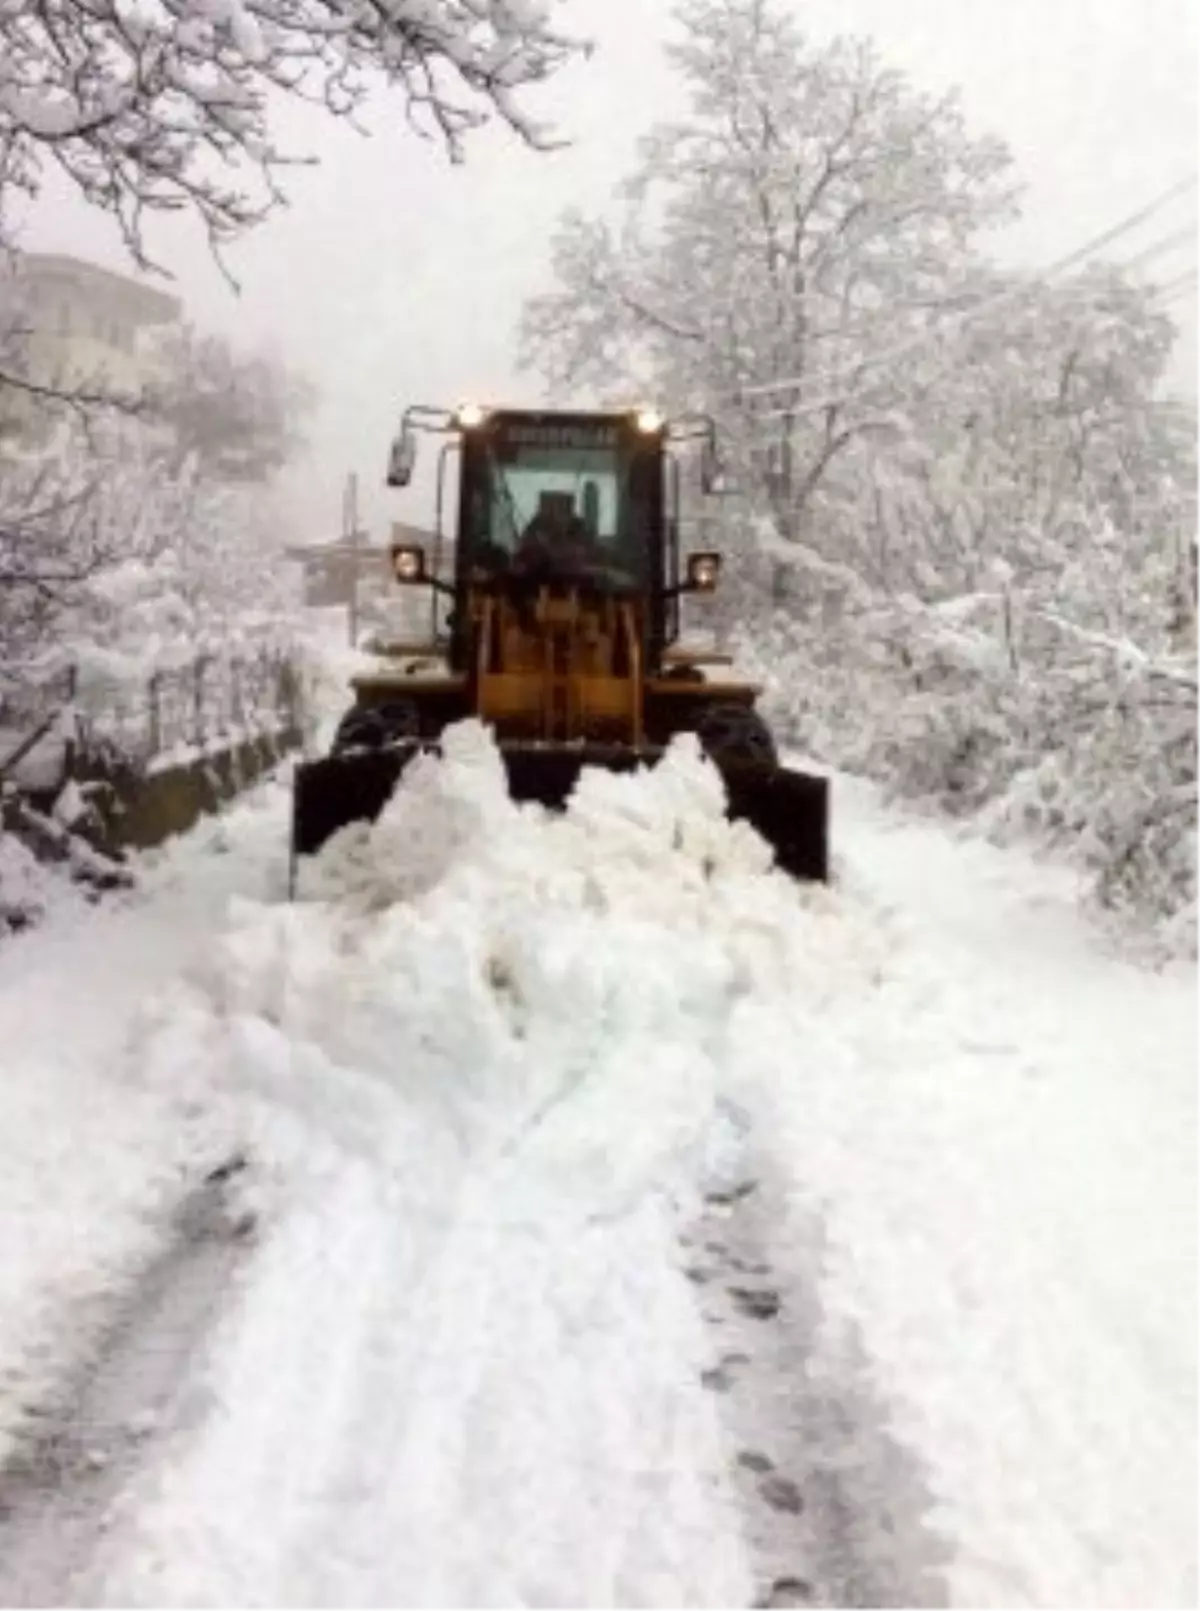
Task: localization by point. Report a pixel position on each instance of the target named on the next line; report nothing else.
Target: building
(87, 327)
(332, 571)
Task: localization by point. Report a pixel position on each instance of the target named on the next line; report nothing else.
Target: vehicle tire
(401, 720)
(736, 735)
(375, 727)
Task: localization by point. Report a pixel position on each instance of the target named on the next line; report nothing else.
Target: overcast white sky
(394, 278)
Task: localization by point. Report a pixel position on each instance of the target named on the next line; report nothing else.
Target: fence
(208, 702)
(149, 756)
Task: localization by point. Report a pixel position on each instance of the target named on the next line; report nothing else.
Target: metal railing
(207, 701)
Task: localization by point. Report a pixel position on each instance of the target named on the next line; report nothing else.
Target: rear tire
(736, 735)
(377, 727)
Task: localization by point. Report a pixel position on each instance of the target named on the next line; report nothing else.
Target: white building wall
(89, 327)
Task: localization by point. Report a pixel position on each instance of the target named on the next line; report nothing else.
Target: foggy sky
(395, 278)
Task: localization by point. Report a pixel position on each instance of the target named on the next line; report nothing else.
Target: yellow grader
(562, 630)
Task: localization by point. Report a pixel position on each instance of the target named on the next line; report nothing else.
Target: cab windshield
(539, 508)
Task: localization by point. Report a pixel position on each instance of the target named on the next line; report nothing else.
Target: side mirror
(408, 563)
(402, 459)
(703, 570)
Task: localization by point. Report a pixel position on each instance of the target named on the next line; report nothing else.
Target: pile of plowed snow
(481, 961)
(483, 1059)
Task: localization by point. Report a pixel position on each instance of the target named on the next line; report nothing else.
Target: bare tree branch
(166, 108)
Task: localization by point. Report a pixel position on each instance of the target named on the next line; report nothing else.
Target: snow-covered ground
(1010, 1165)
(634, 1227)
(93, 1152)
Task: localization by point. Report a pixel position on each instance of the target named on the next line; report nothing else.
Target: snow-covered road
(633, 1226)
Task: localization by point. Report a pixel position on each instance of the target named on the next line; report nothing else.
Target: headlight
(470, 415)
(408, 562)
(649, 421)
(702, 572)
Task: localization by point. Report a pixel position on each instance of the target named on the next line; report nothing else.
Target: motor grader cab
(562, 628)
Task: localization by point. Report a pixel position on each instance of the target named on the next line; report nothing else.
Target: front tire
(736, 735)
(377, 727)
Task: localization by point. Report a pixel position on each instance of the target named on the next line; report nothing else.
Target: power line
(1182, 285)
(1179, 238)
(1000, 299)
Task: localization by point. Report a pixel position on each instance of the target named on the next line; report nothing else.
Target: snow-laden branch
(811, 206)
(162, 105)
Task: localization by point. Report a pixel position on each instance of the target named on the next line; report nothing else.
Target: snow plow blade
(789, 809)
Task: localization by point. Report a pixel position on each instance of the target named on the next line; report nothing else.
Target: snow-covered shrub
(1116, 784)
(932, 712)
(27, 886)
(1087, 746)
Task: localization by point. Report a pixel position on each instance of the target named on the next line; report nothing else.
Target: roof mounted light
(470, 415)
(650, 421)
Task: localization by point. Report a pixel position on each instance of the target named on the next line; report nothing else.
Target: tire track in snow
(834, 1506)
(494, 1409)
(58, 1493)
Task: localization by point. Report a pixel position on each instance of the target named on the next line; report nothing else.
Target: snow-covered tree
(239, 416)
(1036, 434)
(71, 507)
(206, 575)
(966, 541)
(110, 547)
(812, 211)
(155, 107)
(14, 353)
(87, 490)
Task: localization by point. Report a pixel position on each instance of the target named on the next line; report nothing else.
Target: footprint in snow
(781, 1493)
(753, 1460)
(722, 1376)
(726, 1196)
(759, 1303)
(785, 1591)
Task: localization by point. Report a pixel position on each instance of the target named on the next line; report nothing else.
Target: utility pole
(1183, 623)
(352, 537)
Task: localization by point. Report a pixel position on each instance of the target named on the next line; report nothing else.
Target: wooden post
(154, 692)
(198, 699)
(70, 746)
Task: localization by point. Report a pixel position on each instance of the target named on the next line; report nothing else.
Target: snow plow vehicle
(563, 628)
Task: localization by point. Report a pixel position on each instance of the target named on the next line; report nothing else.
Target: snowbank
(1000, 1135)
(27, 886)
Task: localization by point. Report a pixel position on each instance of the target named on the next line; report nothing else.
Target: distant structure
(71, 325)
(86, 324)
(332, 570)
